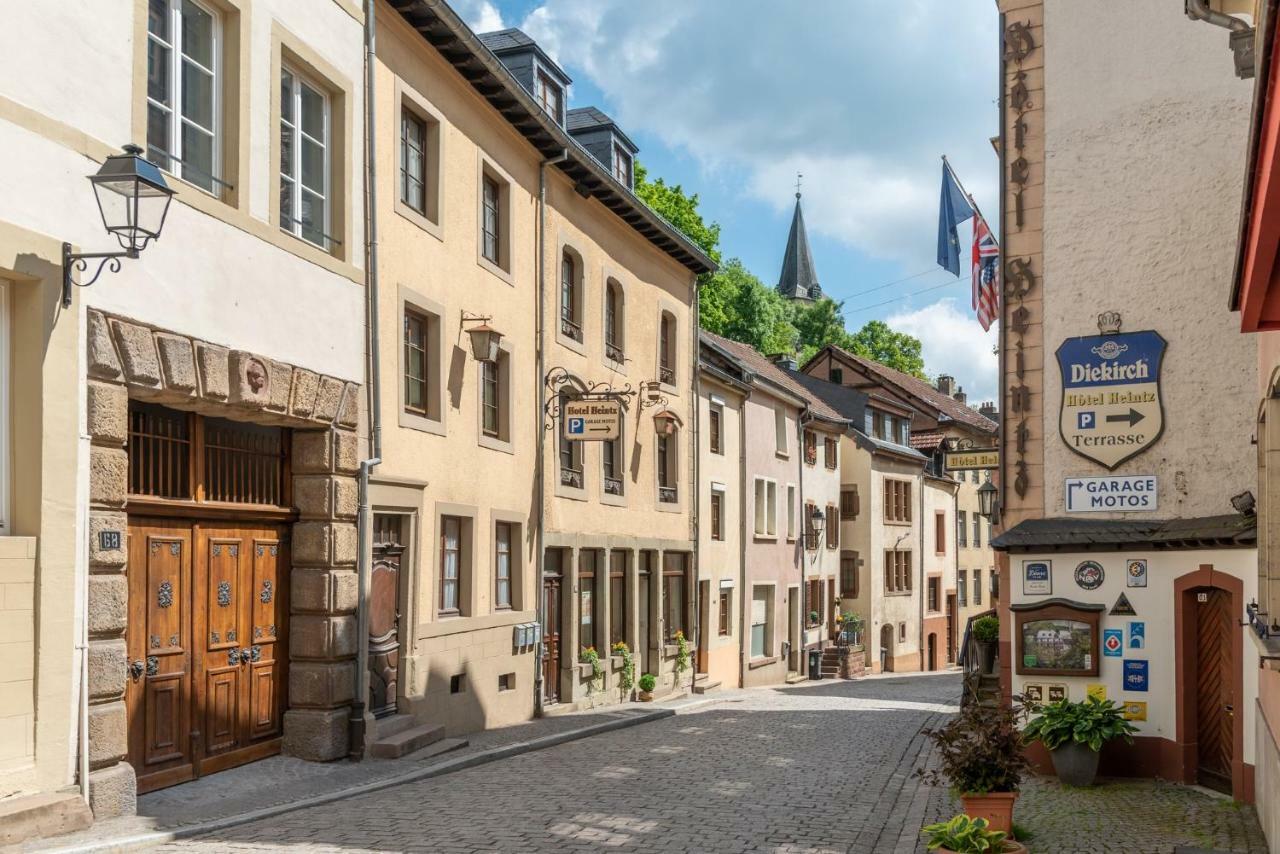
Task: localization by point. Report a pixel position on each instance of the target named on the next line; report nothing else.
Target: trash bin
(815, 664)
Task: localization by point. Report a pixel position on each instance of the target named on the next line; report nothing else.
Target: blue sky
(731, 98)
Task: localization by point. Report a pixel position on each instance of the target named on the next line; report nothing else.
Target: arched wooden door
(1215, 700)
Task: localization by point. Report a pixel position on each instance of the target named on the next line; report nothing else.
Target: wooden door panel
(266, 683)
(384, 629)
(165, 716)
(1214, 694)
(264, 720)
(551, 640)
(222, 708)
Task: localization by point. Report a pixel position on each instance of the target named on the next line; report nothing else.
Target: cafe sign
(592, 420)
(1111, 407)
(971, 460)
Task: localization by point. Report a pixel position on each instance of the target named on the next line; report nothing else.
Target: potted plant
(1074, 733)
(986, 632)
(851, 625)
(683, 656)
(647, 683)
(591, 657)
(980, 754)
(965, 835)
(627, 676)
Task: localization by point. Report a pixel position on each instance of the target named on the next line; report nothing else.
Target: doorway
(704, 625)
(1214, 699)
(951, 628)
(886, 648)
(932, 652)
(207, 642)
(384, 614)
(551, 633)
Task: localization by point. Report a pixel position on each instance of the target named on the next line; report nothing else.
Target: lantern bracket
(80, 261)
(652, 395)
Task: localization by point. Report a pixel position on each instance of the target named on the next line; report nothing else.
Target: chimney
(946, 384)
(786, 361)
(960, 396)
(988, 410)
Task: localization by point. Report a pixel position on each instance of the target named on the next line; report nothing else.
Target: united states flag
(986, 273)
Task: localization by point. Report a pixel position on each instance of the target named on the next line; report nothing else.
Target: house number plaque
(109, 540)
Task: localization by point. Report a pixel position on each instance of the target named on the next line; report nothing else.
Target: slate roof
(759, 365)
(581, 119)
(944, 404)
(890, 447)
(799, 277)
(512, 38)
(1110, 534)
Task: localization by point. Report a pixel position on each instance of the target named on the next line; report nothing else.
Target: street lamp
(665, 422)
(133, 200)
(818, 521)
(988, 502)
(484, 338)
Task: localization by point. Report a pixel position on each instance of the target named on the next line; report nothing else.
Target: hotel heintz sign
(1111, 407)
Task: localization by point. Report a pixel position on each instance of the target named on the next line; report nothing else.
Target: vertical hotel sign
(1019, 272)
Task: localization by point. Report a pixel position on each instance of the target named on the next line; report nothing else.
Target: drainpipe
(802, 536)
(922, 588)
(696, 489)
(744, 628)
(363, 521)
(539, 415)
(82, 574)
(1241, 38)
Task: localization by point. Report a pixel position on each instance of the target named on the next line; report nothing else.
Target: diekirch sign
(592, 420)
(1111, 407)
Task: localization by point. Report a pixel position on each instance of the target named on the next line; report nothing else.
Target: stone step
(444, 745)
(47, 814)
(393, 725)
(395, 746)
(705, 684)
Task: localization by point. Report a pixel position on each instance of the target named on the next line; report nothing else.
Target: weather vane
(798, 177)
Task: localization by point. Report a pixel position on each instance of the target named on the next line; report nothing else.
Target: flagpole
(954, 177)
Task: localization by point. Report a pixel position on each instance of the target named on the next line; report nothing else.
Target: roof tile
(763, 367)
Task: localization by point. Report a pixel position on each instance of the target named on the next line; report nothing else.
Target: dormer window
(621, 164)
(550, 96)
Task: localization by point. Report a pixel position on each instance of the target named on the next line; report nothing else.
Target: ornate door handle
(136, 668)
(245, 655)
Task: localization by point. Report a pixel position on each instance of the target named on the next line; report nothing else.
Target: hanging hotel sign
(1111, 407)
(598, 420)
(977, 458)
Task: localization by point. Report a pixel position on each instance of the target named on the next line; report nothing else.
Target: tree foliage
(735, 303)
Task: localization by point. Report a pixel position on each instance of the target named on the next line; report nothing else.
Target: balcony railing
(571, 477)
(614, 352)
(570, 329)
(613, 485)
(666, 375)
(667, 494)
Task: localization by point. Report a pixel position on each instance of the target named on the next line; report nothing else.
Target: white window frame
(176, 112)
(765, 512)
(5, 459)
(295, 213)
(792, 507)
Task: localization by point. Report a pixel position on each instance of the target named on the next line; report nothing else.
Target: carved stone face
(255, 373)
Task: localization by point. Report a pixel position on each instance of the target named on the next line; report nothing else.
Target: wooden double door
(207, 645)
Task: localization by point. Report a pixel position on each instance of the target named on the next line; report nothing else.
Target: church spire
(799, 279)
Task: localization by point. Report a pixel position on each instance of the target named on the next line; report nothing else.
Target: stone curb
(448, 766)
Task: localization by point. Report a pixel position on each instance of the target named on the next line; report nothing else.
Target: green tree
(877, 341)
(819, 324)
(737, 305)
(681, 210)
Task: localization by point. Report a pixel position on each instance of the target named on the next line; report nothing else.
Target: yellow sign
(1135, 710)
(592, 420)
(1096, 689)
(970, 460)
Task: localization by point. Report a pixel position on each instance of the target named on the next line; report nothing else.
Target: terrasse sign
(1111, 407)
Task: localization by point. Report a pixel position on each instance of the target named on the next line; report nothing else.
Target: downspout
(82, 511)
(696, 387)
(922, 590)
(540, 469)
(744, 637)
(1241, 38)
(802, 536)
(363, 522)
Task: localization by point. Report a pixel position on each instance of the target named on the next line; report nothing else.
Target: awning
(1230, 531)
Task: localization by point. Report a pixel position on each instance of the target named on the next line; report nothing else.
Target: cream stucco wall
(971, 559)
(1145, 134)
(938, 560)
(896, 609)
(720, 562)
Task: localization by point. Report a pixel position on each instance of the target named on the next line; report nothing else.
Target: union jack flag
(986, 273)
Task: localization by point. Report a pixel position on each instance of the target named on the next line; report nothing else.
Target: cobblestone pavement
(803, 770)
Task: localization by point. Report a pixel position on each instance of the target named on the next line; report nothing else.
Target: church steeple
(799, 279)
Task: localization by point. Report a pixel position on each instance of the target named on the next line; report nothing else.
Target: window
(902, 631)
(570, 458)
(304, 159)
(977, 587)
(495, 401)
(940, 533)
(849, 575)
(613, 322)
(611, 464)
(962, 532)
(833, 526)
(617, 597)
(674, 579)
(502, 565)
(935, 593)
(810, 530)
(761, 611)
(621, 165)
(550, 97)
(850, 504)
(977, 531)
(897, 501)
(570, 318)
(791, 511)
(766, 494)
(413, 147)
(457, 683)
(491, 221)
(780, 431)
(975, 476)
(829, 446)
(587, 597)
(506, 681)
(810, 448)
(450, 564)
(725, 618)
(877, 424)
(667, 349)
(995, 582)
(813, 602)
(183, 87)
(420, 365)
(713, 430)
(836, 375)
(667, 469)
(962, 587)
(897, 571)
(717, 515)
(904, 433)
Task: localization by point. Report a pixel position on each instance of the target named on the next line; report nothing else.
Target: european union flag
(954, 209)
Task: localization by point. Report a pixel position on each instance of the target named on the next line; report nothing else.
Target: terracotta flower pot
(995, 807)
(1010, 847)
(646, 697)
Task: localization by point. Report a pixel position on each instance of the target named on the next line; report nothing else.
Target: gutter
(356, 728)
(540, 467)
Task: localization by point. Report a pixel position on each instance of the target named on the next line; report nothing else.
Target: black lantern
(817, 521)
(987, 503)
(133, 200)
(484, 338)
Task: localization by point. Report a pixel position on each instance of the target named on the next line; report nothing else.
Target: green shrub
(964, 835)
(1093, 722)
(986, 629)
(648, 682)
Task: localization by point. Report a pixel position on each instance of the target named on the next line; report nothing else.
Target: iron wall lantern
(484, 338)
(133, 200)
(817, 521)
(665, 422)
(988, 504)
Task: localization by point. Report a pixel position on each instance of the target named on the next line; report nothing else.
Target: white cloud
(953, 343)
(480, 15)
(862, 101)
